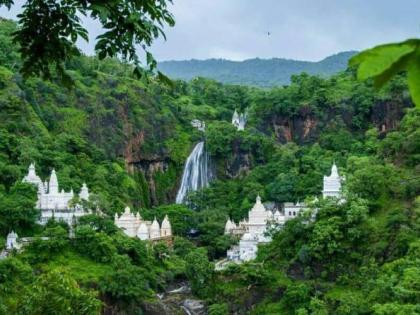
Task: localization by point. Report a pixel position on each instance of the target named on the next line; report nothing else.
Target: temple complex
(253, 231)
(133, 225)
(54, 203)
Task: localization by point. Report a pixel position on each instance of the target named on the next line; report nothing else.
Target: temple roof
(165, 223)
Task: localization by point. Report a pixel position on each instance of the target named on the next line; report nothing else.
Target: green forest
(128, 139)
(255, 72)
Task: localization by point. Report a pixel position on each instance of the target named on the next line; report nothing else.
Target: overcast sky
(299, 29)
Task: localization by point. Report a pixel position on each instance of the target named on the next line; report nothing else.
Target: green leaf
(377, 60)
(138, 72)
(394, 69)
(149, 57)
(164, 79)
(414, 79)
(102, 11)
(360, 57)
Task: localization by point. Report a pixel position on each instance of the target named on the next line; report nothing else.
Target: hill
(254, 72)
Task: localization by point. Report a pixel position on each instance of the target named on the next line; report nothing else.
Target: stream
(177, 300)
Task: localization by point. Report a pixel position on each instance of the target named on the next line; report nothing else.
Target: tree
(199, 271)
(97, 246)
(17, 208)
(42, 250)
(98, 223)
(370, 179)
(125, 284)
(49, 31)
(133, 248)
(181, 218)
(55, 292)
(297, 296)
(182, 246)
(396, 289)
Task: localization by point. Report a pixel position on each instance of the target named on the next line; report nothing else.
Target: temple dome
(84, 192)
(166, 229)
(258, 206)
(53, 184)
(229, 226)
(154, 229)
(32, 178)
(334, 170)
(165, 223)
(143, 232)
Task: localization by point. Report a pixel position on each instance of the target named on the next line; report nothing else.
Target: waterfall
(197, 172)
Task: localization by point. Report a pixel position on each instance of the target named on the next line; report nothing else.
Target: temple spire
(53, 184)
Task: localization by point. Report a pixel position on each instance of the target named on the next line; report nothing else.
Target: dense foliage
(48, 32)
(129, 141)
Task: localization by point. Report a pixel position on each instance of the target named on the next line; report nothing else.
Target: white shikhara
(239, 120)
(254, 230)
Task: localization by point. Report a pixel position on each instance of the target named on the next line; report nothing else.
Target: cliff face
(238, 164)
(386, 115)
(157, 170)
(306, 126)
(159, 178)
(301, 129)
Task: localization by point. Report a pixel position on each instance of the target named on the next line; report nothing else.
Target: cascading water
(197, 172)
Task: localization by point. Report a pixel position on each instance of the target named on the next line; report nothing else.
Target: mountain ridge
(255, 71)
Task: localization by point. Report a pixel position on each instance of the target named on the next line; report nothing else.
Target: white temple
(54, 203)
(239, 120)
(332, 184)
(133, 225)
(292, 210)
(199, 124)
(11, 241)
(253, 231)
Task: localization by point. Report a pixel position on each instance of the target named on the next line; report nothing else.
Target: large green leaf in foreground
(383, 62)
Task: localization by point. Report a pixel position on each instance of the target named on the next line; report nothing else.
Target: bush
(97, 246)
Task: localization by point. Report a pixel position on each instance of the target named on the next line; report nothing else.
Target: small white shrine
(254, 230)
(54, 203)
(134, 226)
(239, 120)
(12, 241)
(199, 124)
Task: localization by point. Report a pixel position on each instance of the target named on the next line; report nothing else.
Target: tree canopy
(48, 32)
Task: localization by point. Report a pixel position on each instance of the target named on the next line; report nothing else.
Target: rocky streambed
(176, 300)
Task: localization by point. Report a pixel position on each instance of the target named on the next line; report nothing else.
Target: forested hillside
(129, 140)
(254, 72)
